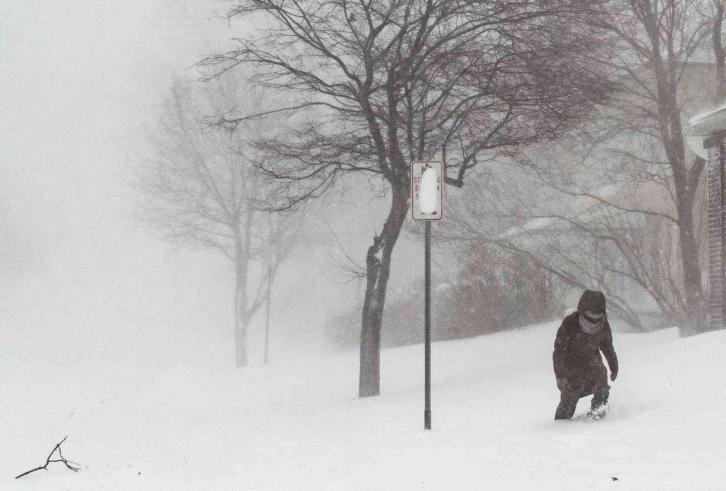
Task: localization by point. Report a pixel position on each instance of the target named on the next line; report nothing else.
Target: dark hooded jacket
(575, 350)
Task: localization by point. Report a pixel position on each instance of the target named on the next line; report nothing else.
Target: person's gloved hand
(613, 375)
(561, 383)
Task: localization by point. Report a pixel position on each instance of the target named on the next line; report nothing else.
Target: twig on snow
(71, 465)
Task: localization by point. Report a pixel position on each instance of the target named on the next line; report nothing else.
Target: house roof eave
(708, 123)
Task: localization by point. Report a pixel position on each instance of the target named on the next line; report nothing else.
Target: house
(710, 129)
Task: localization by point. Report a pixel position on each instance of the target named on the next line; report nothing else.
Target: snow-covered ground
(299, 425)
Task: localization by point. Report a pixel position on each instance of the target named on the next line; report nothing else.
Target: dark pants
(592, 380)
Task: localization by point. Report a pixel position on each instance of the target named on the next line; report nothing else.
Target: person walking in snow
(579, 369)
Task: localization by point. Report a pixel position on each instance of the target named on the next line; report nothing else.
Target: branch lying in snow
(49, 460)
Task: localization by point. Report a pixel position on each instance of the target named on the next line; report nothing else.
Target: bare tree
(605, 238)
(658, 39)
(381, 83)
(201, 189)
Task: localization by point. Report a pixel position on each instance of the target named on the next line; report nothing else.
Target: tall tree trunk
(268, 301)
(694, 315)
(378, 268)
(719, 52)
(243, 242)
(686, 185)
(241, 322)
(685, 182)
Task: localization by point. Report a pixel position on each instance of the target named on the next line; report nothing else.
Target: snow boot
(598, 412)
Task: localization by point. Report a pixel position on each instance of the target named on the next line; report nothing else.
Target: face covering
(591, 322)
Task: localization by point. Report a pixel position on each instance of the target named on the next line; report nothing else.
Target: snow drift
(300, 426)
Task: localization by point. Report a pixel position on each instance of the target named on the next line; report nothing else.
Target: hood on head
(592, 301)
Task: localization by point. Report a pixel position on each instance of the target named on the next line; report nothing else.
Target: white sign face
(427, 190)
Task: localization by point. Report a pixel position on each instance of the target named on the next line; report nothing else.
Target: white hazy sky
(81, 81)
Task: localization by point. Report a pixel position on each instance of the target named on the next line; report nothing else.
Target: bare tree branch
(69, 464)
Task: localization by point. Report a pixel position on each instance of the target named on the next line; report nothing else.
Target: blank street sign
(426, 190)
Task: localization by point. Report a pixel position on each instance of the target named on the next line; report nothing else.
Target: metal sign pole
(427, 180)
(427, 331)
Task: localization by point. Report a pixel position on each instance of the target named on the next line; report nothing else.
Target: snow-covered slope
(300, 425)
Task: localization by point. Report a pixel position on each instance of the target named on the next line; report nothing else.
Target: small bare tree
(202, 189)
(580, 240)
